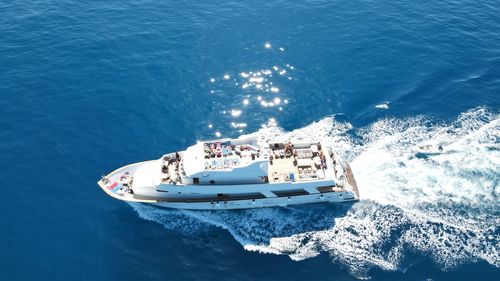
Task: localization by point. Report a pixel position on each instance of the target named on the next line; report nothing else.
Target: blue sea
(89, 86)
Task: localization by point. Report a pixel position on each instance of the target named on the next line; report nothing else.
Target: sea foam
(444, 206)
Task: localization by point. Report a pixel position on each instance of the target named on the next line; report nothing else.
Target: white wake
(445, 206)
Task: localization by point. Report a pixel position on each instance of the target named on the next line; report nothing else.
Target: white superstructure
(241, 173)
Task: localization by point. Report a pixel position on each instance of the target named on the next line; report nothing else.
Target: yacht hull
(260, 203)
(232, 204)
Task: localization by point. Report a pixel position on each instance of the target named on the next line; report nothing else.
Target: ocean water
(86, 87)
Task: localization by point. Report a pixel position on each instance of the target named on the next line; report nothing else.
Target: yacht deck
(301, 163)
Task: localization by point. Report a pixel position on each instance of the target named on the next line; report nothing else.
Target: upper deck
(250, 161)
(226, 156)
(298, 162)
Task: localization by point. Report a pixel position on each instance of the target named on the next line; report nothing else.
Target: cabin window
(211, 181)
(324, 189)
(286, 193)
(196, 180)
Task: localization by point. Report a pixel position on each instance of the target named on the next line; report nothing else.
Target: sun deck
(296, 162)
(226, 156)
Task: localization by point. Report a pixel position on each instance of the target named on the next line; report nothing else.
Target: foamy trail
(445, 206)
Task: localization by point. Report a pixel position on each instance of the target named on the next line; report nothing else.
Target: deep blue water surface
(89, 86)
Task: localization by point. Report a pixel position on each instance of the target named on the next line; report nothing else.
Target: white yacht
(248, 172)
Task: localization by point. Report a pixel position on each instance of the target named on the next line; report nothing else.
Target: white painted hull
(332, 197)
